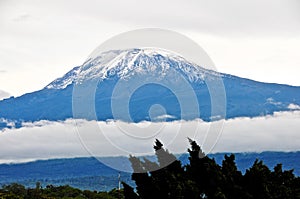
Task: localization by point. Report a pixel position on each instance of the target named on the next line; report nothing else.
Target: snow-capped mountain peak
(125, 63)
(244, 97)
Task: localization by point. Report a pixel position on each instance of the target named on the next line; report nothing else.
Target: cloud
(74, 138)
(248, 38)
(4, 95)
(22, 17)
(232, 17)
(294, 107)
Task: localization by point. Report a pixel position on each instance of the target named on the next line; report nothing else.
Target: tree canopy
(204, 178)
(167, 178)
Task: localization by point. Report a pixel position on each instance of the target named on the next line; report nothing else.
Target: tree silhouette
(167, 178)
(204, 178)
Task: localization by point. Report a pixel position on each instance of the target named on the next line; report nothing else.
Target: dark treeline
(204, 178)
(17, 191)
(201, 178)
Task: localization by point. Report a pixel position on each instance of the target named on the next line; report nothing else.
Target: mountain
(116, 83)
(89, 173)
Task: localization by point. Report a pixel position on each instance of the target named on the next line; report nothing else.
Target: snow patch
(294, 107)
(66, 80)
(126, 63)
(274, 102)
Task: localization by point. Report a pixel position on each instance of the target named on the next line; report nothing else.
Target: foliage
(16, 191)
(201, 178)
(204, 178)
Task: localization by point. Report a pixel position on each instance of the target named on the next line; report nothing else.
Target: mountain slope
(244, 97)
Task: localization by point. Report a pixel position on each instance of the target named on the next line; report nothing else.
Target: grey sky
(41, 40)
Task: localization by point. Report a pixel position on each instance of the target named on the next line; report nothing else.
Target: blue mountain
(89, 173)
(131, 81)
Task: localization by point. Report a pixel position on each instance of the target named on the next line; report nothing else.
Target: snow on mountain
(125, 63)
(67, 79)
(244, 97)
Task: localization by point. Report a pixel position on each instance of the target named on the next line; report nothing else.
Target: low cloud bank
(78, 138)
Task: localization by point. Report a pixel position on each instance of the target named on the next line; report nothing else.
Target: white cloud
(166, 116)
(294, 106)
(22, 17)
(44, 139)
(4, 95)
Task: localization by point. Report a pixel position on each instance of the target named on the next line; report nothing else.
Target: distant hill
(89, 173)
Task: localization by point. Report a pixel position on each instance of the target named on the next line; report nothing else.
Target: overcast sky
(42, 40)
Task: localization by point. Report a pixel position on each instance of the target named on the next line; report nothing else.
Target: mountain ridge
(88, 172)
(244, 97)
(124, 62)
